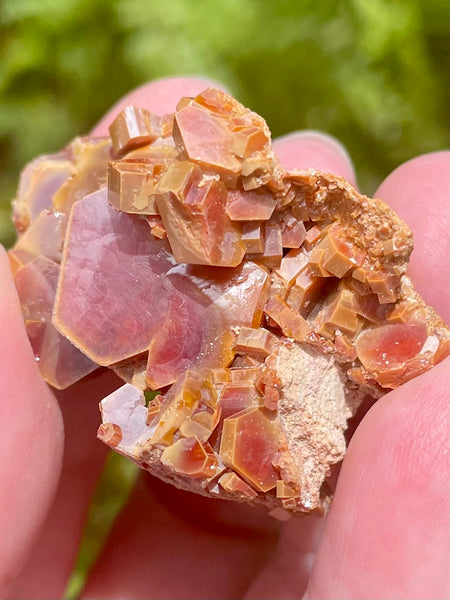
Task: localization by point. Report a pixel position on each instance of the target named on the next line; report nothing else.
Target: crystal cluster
(248, 309)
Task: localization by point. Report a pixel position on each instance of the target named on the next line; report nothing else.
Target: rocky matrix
(248, 309)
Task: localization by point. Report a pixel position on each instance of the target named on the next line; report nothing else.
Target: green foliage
(150, 395)
(374, 74)
(113, 489)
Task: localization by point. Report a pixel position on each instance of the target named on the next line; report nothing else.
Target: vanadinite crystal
(255, 306)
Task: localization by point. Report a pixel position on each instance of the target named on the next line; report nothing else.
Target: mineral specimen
(248, 309)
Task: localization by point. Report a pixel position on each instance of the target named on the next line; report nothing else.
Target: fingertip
(425, 177)
(419, 191)
(159, 96)
(315, 149)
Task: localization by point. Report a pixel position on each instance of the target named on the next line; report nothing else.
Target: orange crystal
(249, 445)
(232, 483)
(134, 127)
(260, 304)
(189, 457)
(387, 346)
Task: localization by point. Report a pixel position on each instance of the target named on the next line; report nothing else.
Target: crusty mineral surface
(248, 309)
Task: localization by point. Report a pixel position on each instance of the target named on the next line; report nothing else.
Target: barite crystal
(257, 307)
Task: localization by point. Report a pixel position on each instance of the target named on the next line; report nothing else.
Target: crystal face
(261, 304)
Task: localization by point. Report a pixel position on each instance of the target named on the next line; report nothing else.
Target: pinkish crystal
(259, 305)
(60, 363)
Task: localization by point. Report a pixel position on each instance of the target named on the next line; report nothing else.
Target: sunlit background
(374, 73)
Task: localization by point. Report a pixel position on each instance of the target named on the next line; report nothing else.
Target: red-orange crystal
(188, 456)
(249, 445)
(261, 304)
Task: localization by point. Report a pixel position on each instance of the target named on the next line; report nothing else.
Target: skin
(387, 533)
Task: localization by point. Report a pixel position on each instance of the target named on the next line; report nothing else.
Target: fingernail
(314, 149)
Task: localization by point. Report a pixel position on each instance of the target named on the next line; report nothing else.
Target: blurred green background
(374, 73)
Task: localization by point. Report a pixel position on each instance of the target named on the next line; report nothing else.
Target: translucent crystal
(261, 305)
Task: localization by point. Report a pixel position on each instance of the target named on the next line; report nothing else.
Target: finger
(387, 534)
(51, 561)
(305, 149)
(287, 572)
(160, 96)
(171, 544)
(419, 191)
(31, 436)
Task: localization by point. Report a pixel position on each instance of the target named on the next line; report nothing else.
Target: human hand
(387, 533)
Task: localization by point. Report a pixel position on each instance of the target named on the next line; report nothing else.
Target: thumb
(387, 534)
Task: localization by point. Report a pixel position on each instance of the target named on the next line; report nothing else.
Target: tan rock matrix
(248, 309)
